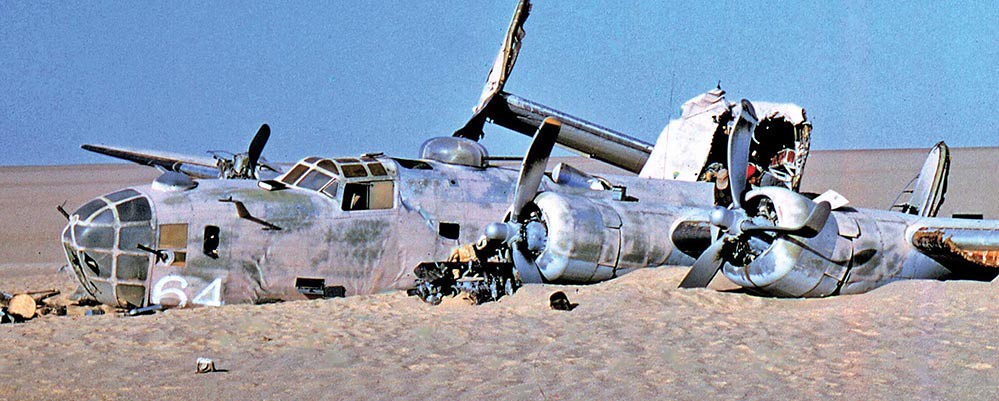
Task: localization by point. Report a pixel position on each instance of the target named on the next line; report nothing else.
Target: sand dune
(636, 337)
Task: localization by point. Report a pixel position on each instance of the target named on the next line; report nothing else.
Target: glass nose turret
(102, 247)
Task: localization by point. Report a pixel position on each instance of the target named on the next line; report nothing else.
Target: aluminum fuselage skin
(294, 233)
(857, 250)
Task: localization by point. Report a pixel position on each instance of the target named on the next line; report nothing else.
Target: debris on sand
(205, 365)
(559, 301)
(22, 307)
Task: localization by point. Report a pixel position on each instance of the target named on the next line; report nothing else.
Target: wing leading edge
(195, 166)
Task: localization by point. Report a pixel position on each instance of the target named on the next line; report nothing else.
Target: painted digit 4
(211, 295)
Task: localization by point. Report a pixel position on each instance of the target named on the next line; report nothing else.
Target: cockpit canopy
(366, 182)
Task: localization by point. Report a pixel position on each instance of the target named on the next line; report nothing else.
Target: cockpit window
(377, 169)
(328, 165)
(314, 180)
(330, 190)
(354, 170)
(122, 195)
(135, 210)
(293, 175)
(89, 209)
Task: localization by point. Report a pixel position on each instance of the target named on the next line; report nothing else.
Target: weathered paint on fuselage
(221, 257)
(364, 251)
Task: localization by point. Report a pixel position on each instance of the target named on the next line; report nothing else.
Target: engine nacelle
(591, 240)
(793, 266)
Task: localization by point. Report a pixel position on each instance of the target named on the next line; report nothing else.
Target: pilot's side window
(294, 174)
(368, 195)
(330, 190)
(314, 180)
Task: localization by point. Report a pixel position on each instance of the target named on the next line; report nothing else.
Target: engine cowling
(587, 240)
(788, 265)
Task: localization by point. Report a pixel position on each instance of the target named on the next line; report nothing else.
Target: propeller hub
(722, 217)
(535, 235)
(500, 232)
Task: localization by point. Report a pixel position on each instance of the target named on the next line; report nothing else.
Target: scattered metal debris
(206, 365)
(482, 282)
(559, 301)
(145, 310)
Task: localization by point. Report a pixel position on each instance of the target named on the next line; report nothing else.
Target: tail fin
(928, 188)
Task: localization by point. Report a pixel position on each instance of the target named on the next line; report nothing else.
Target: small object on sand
(205, 365)
(5, 318)
(22, 306)
(558, 301)
(145, 310)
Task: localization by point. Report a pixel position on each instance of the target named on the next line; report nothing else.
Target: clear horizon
(351, 78)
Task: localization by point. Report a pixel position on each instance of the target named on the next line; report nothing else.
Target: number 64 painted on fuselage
(172, 288)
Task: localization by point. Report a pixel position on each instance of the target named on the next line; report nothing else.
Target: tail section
(926, 191)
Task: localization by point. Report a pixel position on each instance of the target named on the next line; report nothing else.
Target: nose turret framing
(102, 243)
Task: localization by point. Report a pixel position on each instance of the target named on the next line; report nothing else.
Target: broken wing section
(968, 251)
(194, 166)
(524, 116)
(498, 74)
(926, 191)
(693, 147)
(580, 136)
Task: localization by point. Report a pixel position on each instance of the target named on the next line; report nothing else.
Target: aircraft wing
(581, 136)
(524, 116)
(969, 248)
(196, 166)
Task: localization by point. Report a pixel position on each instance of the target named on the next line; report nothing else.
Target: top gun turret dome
(454, 150)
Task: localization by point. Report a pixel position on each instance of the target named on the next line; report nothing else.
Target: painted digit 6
(159, 292)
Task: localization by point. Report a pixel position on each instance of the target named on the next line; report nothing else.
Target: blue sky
(346, 78)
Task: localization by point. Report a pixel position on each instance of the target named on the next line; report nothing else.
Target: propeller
(257, 147)
(244, 165)
(524, 235)
(733, 223)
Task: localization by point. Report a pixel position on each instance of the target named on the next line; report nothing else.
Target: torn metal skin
(964, 244)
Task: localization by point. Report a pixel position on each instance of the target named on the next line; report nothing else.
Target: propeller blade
(257, 146)
(706, 266)
(810, 228)
(526, 267)
(738, 150)
(533, 167)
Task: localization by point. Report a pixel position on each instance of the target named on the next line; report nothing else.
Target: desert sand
(635, 337)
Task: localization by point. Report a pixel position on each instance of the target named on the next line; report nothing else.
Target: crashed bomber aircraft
(333, 227)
